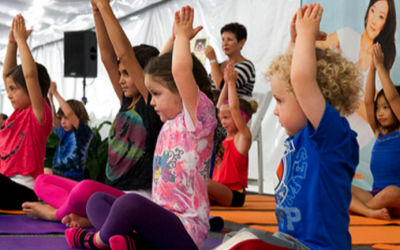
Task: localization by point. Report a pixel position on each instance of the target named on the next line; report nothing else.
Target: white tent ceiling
(50, 18)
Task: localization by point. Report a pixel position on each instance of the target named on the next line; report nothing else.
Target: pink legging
(69, 196)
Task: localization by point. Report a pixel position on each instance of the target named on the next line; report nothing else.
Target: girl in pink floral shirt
(177, 216)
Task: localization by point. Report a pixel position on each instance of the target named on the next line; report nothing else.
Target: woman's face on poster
(377, 15)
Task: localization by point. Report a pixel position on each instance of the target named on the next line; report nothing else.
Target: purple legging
(69, 196)
(132, 212)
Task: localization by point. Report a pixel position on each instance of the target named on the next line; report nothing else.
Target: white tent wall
(267, 23)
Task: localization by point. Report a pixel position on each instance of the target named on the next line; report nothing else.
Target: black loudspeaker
(80, 54)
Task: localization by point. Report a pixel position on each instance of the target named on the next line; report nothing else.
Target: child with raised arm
(70, 123)
(132, 136)
(227, 186)
(177, 215)
(23, 135)
(383, 114)
(313, 89)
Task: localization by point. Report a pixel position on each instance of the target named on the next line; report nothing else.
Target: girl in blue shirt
(383, 114)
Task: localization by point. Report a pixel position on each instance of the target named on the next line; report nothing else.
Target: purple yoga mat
(33, 243)
(21, 224)
(59, 243)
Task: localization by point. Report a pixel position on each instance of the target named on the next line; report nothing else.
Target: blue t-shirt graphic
(314, 190)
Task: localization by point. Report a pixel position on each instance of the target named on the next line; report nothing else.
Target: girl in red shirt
(229, 180)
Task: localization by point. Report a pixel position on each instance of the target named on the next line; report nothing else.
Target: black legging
(12, 194)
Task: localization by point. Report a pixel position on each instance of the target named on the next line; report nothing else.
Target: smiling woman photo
(379, 27)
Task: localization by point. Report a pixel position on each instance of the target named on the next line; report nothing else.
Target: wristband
(213, 61)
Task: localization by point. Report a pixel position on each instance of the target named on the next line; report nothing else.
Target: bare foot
(74, 220)
(37, 210)
(382, 214)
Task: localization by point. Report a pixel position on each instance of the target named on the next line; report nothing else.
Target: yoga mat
(17, 224)
(247, 217)
(20, 212)
(258, 198)
(357, 220)
(361, 235)
(34, 243)
(270, 229)
(211, 243)
(386, 247)
(261, 205)
(375, 234)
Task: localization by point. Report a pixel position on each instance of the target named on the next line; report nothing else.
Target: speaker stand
(84, 99)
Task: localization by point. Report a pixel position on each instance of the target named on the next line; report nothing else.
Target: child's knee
(390, 193)
(131, 203)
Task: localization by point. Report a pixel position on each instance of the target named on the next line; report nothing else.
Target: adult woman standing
(234, 37)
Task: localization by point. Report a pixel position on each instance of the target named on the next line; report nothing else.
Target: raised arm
(216, 73)
(10, 60)
(243, 141)
(223, 96)
(391, 94)
(122, 46)
(56, 120)
(369, 97)
(169, 45)
(68, 112)
(108, 56)
(29, 68)
(182, 63)
(321, 39)
(304, 64)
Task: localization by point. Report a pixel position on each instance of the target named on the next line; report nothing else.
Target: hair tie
(241, 111)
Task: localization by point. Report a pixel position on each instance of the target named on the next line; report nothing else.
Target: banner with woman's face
(373, 19)
(352, 28)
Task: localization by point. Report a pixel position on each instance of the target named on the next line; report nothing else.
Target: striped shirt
(245, 81)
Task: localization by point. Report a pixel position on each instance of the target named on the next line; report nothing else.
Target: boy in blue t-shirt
(70, 124)
(313, 88)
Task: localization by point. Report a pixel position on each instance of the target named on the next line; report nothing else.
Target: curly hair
(340, 81)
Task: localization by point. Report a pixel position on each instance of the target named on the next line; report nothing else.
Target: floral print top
(181, 167)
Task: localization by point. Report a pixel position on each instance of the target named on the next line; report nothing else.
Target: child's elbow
(30, 75)
(179, 69)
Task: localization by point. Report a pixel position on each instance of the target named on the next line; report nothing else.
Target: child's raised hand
(53, 88)
(11, 37)
(94, 6)
(210, 53)
(308, 22)
(184, 23)
(230, 75)
(19, 31)
(96, 3)
(377, 55)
